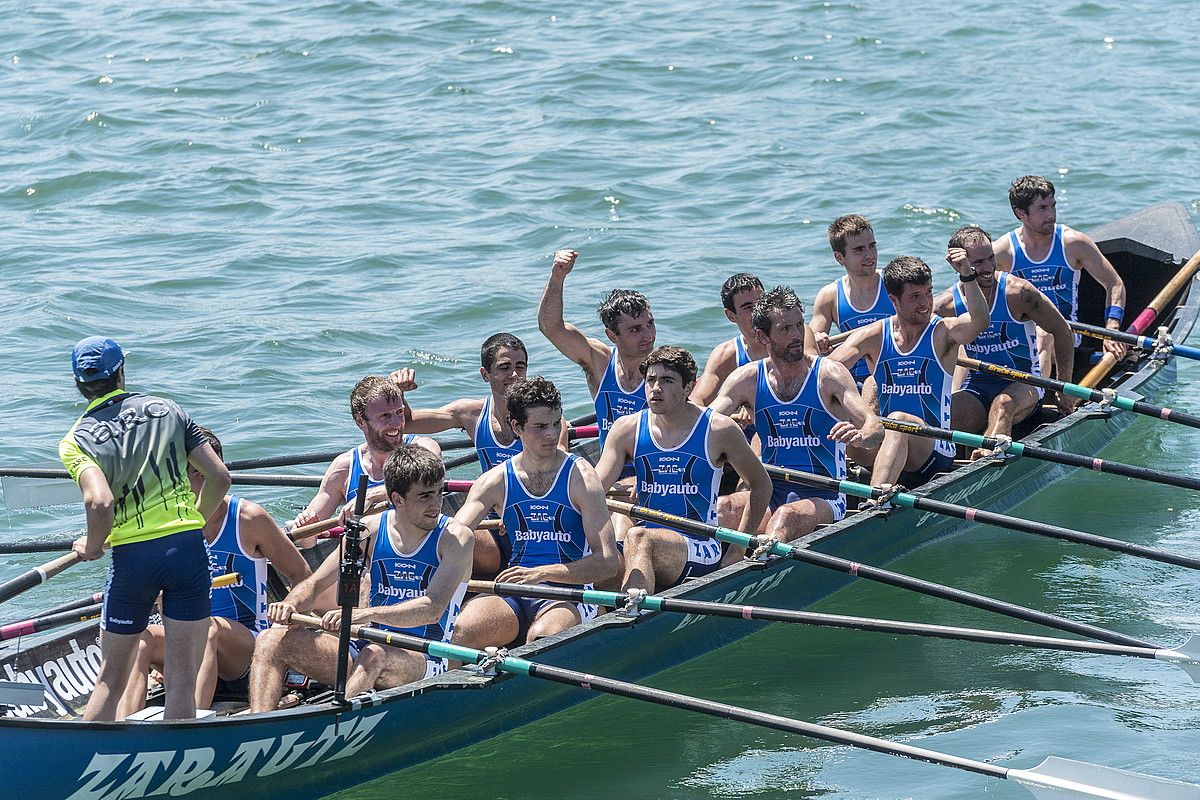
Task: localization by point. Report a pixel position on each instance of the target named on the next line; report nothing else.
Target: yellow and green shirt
(141, 444)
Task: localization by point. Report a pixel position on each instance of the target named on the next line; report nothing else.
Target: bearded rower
(739, 293)
(806, 409)
(912, 355)
(420, 561)
(242, 538)
(556, 521)
(611, 371)
(986, 403)
(678, 450)
(1052, 257)
(377, 406)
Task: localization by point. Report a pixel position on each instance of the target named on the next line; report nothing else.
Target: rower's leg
(730, 508)
(967, 412)
(653, 557)
(486, 621)
(621, 524)
(186, 643)
(379, 667)
(118, 653)
(230, 648)
(1015, 403)
(799, 518)
(150, 653)
(900, 452)
(279, 649)
(486, 556)
(551, 619)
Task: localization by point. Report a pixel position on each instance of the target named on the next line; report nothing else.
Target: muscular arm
(736, 452)
(98, 508)
(588, 353)
(1037, 307)
(618, 450)
(943, 304)
(486, 493)
(1085, 255)
(862, 427)
(864, 342)
(824, 311)
(721, 362)
(963, 329)
(330, 495)
(266, 540)
(454, 569)
(458, 414)
(737, 392)
(216, 478)
(1002, 250)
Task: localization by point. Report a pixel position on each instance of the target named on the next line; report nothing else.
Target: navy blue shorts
(784, 492)
(527, 608)
(984, 386)
(938, 462)
(176, 565)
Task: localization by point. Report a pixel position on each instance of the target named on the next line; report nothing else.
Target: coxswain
(556, 521)
(242, 538)
(678, 450)
(419, 562)
(1052, 257)
(987, 403)
(912, 355)
(129, 453)
(806, 409)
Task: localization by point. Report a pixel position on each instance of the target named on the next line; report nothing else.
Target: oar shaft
(36, 576)
(880, 575)
(44, 546)
(44, 623)
(82, 602)
(1144, 342)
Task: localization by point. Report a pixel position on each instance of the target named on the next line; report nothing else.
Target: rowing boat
(317, 748)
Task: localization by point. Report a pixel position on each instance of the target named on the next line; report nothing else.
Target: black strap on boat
(349, 578)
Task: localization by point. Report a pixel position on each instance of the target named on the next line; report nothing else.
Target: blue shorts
(938, 462)
(984, 386)
(784, 492)
(176, 565)
(527, 608)
(703, 554)
(433, 664)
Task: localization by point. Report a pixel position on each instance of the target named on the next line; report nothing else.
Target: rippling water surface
(266, 201)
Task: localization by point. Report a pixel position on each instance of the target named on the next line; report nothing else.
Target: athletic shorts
(527, 608)
(985, 386)
(784, 492)
(938, 462)
(703, 555)
(176, 565)
(433, 665)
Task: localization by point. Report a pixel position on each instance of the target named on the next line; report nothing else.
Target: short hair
(372, 387)
(676, 359)
(969, 235)
(622, 301)
(494, 344)
(95, 389)
(409, 465)
(741, 282)
(1028, 189)
(905, 269)
(844, 227)
(212, 439)
(531, 393)
(778, 299)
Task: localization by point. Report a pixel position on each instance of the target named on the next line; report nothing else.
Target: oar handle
(37, 575)
(322, 525)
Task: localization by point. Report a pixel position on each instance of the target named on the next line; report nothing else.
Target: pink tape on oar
(16, 629)
(1165, 413)
(332, 533)
(1142, 321)
(747, 612)
(459, 486)
(854, 565)
(1098, 464)
(585, 432)
(970, 515)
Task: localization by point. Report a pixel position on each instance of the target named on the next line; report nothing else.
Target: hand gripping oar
(906, 500)
(1144, 342)
(37, 575)
(858, 570)
(1105, 396)
(1080, 778)
(1144, 320)
(79, 611)
(1185, 656)
(1010, 447)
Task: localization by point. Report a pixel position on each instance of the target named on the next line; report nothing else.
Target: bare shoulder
(429, 444)
(943, 304)
(584, 478)
(720, 355)
(458, 532)
(623, 426)
(826, 294)
(251, 513)
(339, 467)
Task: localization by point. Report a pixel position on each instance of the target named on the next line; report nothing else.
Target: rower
(678, 450)
(556, 521)
(612, 372)
(242, 538)
(503, 361)
(986, 403)
(912, 355)
(1052, 257)
(739, 293)
(806, 409)
(127, 453)
(377, 406)
(420, 561)
(858, 297)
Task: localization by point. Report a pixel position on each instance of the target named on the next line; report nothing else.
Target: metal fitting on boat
(765, 545)
(493, 658)
(633, 601)
(1110, 397)
(1163, 344)
(1003, 442)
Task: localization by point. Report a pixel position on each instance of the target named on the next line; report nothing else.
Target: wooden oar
(1144, 320)
(37, 575)
(1043, 454)
(906, 500)
(1084, 393)
(1186, 656)
(1144, 342)
(1081, 778)
(859, 570)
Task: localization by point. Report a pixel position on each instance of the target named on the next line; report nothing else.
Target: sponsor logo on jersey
(543, 536)
(793, 441)
(906, 388)
(664, 489)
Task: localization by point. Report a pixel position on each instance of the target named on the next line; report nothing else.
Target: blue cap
(96, 358)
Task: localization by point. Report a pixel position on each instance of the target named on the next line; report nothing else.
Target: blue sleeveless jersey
(397, 577)
(246, 602)
(543, 530)
(794, 433)
(681, 480)
(1053, 274)
(849, 318)
(915, 382)
(1006, 341)
(743, 355)
(489, 451)
(612, 401)
(356, 470)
